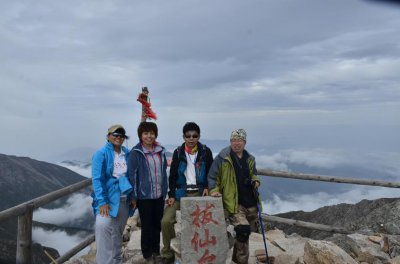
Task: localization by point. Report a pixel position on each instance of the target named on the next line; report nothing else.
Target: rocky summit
(374, 238)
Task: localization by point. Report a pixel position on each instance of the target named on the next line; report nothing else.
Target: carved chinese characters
(204, 238)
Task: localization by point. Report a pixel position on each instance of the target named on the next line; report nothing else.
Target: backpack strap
(178, 149)
(204, 152)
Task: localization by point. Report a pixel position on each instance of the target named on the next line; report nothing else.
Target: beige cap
(114, 128)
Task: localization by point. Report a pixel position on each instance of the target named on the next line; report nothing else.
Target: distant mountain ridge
(23, 179)
(367, 217)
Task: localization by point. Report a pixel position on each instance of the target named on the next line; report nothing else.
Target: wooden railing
(324, 178)
(24, 211)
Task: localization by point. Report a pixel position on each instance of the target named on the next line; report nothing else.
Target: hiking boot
(149, 260)
(157, 259)
(168, 260)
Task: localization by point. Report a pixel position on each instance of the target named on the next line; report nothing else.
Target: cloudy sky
(296, 74)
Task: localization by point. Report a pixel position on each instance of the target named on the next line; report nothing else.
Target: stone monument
(203, 236)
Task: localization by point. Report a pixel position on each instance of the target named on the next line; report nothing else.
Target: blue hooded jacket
(107, 189)
(144, 186)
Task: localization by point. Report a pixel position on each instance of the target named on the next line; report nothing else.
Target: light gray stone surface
(203, 234)
(325, 252)
(396, 260)
(293, 244)
(367, 250)
(284, 249)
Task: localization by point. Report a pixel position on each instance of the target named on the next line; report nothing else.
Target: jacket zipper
(155, 176)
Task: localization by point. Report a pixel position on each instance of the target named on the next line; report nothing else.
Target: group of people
(126, 180)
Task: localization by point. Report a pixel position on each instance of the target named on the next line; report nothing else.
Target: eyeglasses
(192, 136)
(118, 135)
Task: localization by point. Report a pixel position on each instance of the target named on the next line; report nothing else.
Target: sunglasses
(118, 135)
(192, 136)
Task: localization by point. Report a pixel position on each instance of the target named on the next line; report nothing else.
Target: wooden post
(24, 238)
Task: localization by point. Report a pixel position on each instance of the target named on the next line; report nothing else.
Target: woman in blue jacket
(110, 202)
(147, 172)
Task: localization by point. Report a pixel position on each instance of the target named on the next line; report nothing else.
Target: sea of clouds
(384, 165)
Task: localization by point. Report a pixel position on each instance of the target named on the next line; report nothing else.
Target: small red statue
(144, 99)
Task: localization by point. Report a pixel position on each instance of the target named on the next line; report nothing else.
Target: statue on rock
(144, 99)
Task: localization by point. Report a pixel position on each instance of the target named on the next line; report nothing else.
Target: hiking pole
(256, 194)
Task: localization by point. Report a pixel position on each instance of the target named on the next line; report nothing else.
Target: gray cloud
(59, 240)
(386, 163)
(71, 69)
(313, 201)
(77, 206)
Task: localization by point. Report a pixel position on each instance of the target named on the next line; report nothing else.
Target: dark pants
(151, 213)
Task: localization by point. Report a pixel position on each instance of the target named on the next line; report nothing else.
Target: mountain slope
(22, 179)
(367, 216)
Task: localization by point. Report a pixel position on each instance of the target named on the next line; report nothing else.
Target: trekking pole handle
(255, 189)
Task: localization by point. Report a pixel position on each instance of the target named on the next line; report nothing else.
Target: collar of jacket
(139, 147)
(182, 156)
(110, 146)
(225, 154)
